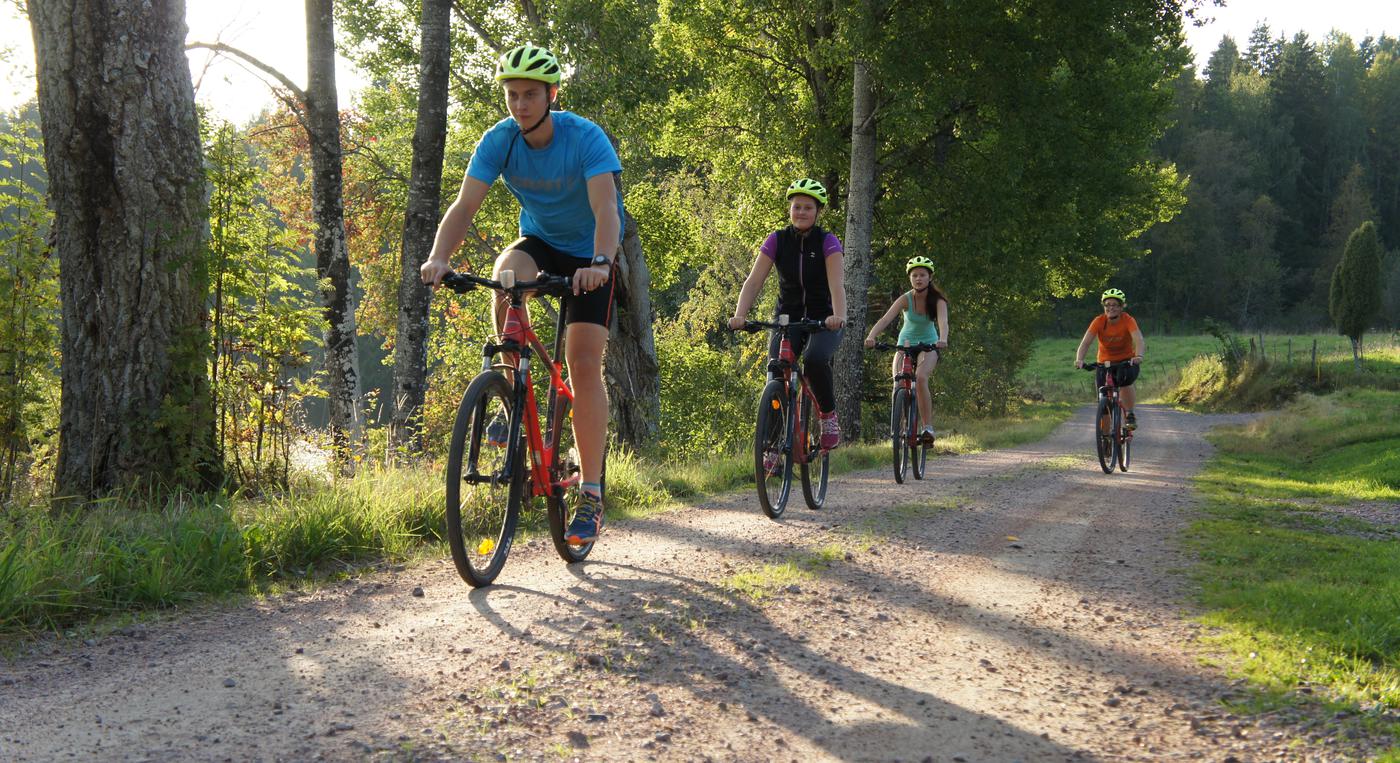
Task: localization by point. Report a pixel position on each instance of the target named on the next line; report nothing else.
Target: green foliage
(1356, 284)
(29, 313)
(1298, 577)
(265, 317)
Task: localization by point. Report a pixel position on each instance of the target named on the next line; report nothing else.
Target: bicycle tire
(815, 468)
(773, 434)
(481, 521)
(565, 464)
(899, 438)
(1117, 436)
(918, 451)
(1103, 440)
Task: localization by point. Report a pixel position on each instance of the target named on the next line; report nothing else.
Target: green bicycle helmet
(808, 187)
(1114, 294)
(918, 261)
(528, 62)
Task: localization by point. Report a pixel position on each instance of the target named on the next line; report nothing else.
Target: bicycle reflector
(775, 403)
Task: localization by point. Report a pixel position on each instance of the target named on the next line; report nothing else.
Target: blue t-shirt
(551, 183)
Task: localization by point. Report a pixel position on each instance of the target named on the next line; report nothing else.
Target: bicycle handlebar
(546, 283)
(921, 347)
(1110, 364)
(805, 323)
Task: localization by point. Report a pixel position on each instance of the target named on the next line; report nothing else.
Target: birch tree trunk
(860, 214)
(126, 185)
(328, 209)
(419, 227)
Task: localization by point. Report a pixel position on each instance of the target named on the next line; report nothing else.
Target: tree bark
(332, 254)
(860, 214)
(420, 226)
(126, 184)
(631, 370)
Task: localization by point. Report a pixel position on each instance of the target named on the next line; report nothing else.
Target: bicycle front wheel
(899, 433)
(772, 451)
(1103, 435)
(815, 465)
(918, 451)
(485, 479)
(565, 479)
(1117, 437)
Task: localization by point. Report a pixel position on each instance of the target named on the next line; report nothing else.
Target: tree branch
(229, 50)
(476, 27)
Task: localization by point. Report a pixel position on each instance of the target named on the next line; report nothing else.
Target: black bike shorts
(1123, 375)
(595, 306)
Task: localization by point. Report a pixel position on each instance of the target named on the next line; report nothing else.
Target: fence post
(1290, 350)
(1262, 355)
(1317, 371)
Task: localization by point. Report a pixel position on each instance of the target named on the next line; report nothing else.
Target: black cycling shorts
(1123, 375)
(595, 306)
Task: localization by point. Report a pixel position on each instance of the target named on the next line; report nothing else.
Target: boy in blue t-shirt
(560, 167)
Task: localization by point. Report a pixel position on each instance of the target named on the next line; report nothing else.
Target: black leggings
(816, 362)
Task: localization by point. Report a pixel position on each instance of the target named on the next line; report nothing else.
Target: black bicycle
(783, 434)
(499, 450)
(1113, 440)
(910, 449)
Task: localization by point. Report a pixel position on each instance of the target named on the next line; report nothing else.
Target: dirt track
(1008, 608)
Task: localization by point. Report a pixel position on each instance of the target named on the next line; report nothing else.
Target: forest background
(1036, 154)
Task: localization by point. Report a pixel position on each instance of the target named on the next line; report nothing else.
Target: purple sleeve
(831, 246)
(769, 248)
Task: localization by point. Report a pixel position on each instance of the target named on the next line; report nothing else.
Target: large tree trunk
(860, 214)
(328, 209)
(126, 184)
(632, 373)
(420, 226)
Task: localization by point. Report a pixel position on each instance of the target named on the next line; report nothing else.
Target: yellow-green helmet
(808, 187)
(528, 62)
(918, 261)
(1114, 294)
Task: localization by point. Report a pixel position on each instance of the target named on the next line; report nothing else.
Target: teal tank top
(917, 329)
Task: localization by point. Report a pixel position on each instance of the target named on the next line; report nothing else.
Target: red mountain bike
(782, 434)
(497, 424)
(909, 447)
(1113, 441)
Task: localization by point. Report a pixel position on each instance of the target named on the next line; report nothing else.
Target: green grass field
(1299, 547)
(1050, 373)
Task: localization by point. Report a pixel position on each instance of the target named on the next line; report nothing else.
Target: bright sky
(1238, 18)
(275, 32)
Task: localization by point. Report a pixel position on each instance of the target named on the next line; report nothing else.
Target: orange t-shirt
(1116, 338)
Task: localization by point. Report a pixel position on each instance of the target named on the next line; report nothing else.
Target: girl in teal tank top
(925, 312)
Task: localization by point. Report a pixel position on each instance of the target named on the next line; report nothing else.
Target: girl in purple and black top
(811, 285)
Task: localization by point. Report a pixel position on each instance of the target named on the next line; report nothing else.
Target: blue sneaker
(588, 521)
(497, 431)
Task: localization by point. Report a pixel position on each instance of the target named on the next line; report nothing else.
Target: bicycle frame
(784, 368)
(905, 378)
(1111, 389)
(517, 344)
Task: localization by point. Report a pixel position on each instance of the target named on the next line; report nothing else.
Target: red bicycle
(909, 446)
(497, 423)
(1113, 441)
(783, 435)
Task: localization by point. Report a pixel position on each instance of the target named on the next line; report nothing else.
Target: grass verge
(1299, 566)
(124, 555)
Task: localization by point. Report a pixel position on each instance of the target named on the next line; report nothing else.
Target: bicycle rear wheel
(899, 436)
(1103, 435)
(485, 481)
(815, 465)
(565, 479)
(772, 451)
(1117, 437)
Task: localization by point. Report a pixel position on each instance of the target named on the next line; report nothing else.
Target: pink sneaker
(831, 430)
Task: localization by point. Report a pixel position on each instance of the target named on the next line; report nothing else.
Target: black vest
(802, 288)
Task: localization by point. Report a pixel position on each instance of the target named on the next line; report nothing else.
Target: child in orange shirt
(1119, 339)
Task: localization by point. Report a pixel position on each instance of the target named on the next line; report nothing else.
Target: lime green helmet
(528, 62)
(1114, 294)
(808, 187)
(918, 261)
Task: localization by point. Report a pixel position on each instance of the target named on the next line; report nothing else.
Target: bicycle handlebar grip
(457, 283)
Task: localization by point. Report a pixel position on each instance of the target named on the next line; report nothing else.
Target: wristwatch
(601, 259)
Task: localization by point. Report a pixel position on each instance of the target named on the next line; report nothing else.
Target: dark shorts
(590, 307)
(1123, 375)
